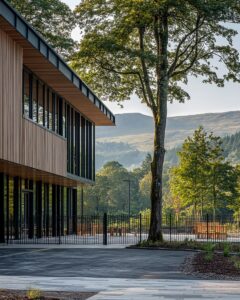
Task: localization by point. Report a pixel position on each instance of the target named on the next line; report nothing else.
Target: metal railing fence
(122, 229)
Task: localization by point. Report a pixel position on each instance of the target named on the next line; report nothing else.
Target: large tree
(189, 178)
(150, 47)
(203, 181)
(53, 19)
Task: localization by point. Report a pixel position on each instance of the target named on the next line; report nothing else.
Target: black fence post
(170, 229)
(105, 229)
(140, 228)
(207, 226)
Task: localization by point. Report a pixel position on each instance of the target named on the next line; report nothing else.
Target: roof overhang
(13, 169)
(40, 58)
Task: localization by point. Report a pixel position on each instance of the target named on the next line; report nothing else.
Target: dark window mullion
(30, 97)
(93, 154)
(37, 112)
(44, 95)
(53, 110)
(90, 150)
(68, 139)
(77, 142)
(83, 147)
(23, 92)
(87, 149)
(72, 142)
(48, 107)
(60, 116)
(65, 103)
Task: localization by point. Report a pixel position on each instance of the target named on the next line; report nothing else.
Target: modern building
(47, 134)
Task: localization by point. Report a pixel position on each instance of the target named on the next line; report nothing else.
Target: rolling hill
(132, 138)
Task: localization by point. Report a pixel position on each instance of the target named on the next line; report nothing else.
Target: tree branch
(110, 68)
(194, 59)
(145, 70)
(179, 54)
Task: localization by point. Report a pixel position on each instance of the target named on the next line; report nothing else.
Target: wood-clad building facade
(47, 133)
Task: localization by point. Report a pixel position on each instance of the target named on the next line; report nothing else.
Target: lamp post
(129, 196)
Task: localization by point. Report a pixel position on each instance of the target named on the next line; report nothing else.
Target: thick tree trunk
(155, 231)
(160, 119)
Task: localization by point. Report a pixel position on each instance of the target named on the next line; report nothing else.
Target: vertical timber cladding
(11, 60)
(22, 141)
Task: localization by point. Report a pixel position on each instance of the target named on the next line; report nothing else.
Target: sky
(205, 98)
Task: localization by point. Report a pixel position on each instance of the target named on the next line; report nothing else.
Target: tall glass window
(50, 110)
(40, 103)
(34, 99)
(45, 107)
(26, 93)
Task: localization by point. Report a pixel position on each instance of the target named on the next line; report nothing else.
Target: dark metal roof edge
(37, 41)
(80, 179)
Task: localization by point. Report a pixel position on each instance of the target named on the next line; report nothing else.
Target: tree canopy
(122, 45)
(53, 19)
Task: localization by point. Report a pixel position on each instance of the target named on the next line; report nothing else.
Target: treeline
(230, 146)
(124, 153)
(111, 191)
(199, 178)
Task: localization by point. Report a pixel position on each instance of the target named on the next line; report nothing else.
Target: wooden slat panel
(21, 141)
(43, 150)
(11, 89)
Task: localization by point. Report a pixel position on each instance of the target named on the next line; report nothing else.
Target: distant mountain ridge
(132, 137)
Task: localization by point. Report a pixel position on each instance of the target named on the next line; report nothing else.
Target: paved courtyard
(115, 274)
(91, 262)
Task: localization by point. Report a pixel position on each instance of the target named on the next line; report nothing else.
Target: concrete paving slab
(129, 289)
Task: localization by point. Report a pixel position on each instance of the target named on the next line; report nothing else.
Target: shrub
(209, 249)
(34, 294)
(226, 249)
(208, 257)
(236, 262)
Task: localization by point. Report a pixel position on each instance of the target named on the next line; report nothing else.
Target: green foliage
(236, 261)
(110, 193)
(34, 294)
(209, 249)
(53, 19)
(208, 256)
(111, 50)
(231, 146)
(124, 153)
(203, 181)
(226, 249)
(149, 48)
(136, 131)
